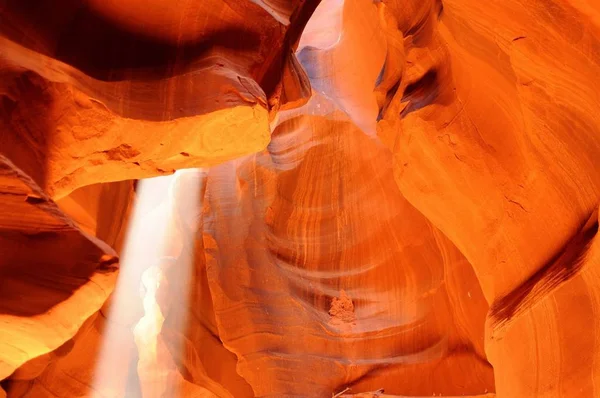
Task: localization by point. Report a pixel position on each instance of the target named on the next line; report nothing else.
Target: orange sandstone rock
(406, 206)
(53, 275)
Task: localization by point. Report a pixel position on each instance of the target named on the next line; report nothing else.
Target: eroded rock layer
(497, 144)
(398, 198)
(315, 288)
(53, 274)
(102, 91)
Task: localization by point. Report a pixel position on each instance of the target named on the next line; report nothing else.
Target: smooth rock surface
(53, 275)
(105, 91)
(398, 198)
(497, 144)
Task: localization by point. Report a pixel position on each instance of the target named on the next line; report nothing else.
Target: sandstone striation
(101, 91)
(354, 198)
(310, 243)
(504, 127)
(53, 274)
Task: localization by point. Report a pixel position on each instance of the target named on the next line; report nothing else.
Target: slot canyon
(299, 198)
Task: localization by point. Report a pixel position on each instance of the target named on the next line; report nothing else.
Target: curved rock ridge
(93, 209)
(103, 91)
(53, 275)
(495, 141)
(82, 104)
(398, 198)
(185, 357)
(313, 275)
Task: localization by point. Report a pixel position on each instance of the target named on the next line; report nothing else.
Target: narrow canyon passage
(293, 231)
(299, 198)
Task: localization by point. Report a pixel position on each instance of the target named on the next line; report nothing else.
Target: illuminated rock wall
(381, 198)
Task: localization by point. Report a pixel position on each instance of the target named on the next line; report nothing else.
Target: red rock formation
(53, 275)
(319, 227)
(500, 120)
(98, 91)
(397, 198)
(90, 94)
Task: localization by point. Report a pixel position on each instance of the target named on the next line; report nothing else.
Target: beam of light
(161, 231)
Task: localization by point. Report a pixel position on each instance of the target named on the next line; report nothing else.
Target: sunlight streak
(158, 251)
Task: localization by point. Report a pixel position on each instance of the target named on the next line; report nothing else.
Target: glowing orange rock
(54, 276)
(424, 225)
(496, 144)
(327, 267)
(107, 96)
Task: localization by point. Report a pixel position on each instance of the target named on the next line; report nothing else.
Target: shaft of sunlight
(155, 268)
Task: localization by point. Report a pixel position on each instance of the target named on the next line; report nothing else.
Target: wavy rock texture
(54, 275)
(500, 119)
(76, 301)
(314, 288)
(94, 207)
(103, 91)
(98, 91)
(406, 206)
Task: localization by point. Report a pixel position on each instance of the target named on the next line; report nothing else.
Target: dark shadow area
(26, 123)
(75, 34)
(564, 265)
(421, 93)
(43, 258)
(40, 270)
